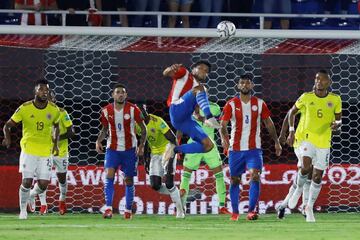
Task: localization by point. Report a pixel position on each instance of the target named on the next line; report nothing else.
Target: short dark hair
(41, 81)
(203, 62)
(245, 76)
(323, 71)
(119, 85)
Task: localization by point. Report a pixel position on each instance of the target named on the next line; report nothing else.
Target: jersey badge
(126, 116)
(48, 116)
(330, 104)
(254, 108)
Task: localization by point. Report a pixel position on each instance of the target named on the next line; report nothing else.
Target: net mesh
(82, 69)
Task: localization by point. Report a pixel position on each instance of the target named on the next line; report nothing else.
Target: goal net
(82, 70)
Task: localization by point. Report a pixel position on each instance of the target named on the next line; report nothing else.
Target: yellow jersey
(299, 137)
(319, 114)
(64, 123)
(36, 127)
(156, 129)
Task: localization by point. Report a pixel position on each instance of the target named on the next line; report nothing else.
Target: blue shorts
(182, 119)
(239, 161)
(127, 160)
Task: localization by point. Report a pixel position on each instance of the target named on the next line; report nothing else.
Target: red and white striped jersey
(121, 126)
(183, 81)
(34, 18)
(245, 122)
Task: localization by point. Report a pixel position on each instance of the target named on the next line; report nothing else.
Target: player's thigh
(183, 108)
(112, 159)
(129, 162)
(156, 168)
(308, 150)
(192, 161)
(212, 158)
(27, 165)
(193, 130)
(43, 169)
(254, 159)
(61, 164)
(298, 155)
(321, 161)
(237, 163)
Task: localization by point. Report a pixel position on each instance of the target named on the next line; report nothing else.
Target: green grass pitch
(93, 226)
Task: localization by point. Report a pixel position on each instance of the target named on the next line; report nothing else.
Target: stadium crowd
(224, 6)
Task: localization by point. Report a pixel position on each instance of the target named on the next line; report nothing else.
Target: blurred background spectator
(72, 6)
(37, 5)
(243, 6)
(210, 6)
(183, 6)
(114, 5)
(145, 5)
(277, 6)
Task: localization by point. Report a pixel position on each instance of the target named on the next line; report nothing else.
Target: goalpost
(83, 63)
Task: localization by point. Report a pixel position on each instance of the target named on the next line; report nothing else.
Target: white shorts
(61, 164)
(298, 154)
(157, 169)
(320, 156)
(31, 166)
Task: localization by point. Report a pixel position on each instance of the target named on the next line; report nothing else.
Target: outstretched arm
(272, 131)
(170, 71)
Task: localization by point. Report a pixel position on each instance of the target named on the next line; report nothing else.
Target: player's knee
(235, 180)
(156, 186)
(199, 88)
(26, 183)
(317, 178)
(129, 181)
(169, 184)
(255, 177)
(305, 170)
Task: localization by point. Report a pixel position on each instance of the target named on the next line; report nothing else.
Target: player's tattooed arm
(224, 135)
(291, 138)
(272, 131)
(140, 148)
(6, 130)
(169, 135)
(336, 125)
(70, 133)
(284, 128)
(55, 150)
(102, 135)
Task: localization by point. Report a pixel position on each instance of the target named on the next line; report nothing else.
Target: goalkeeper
(212, 159)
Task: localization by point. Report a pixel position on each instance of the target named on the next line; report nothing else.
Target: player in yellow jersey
(298, 140)
(322, 116)
(60, 162)
(159, 136)
(37, 143)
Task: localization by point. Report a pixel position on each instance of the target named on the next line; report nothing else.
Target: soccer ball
(226, 29)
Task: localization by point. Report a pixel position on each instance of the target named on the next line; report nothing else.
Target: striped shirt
(183, 81)
(121, 125)
(245, 122)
